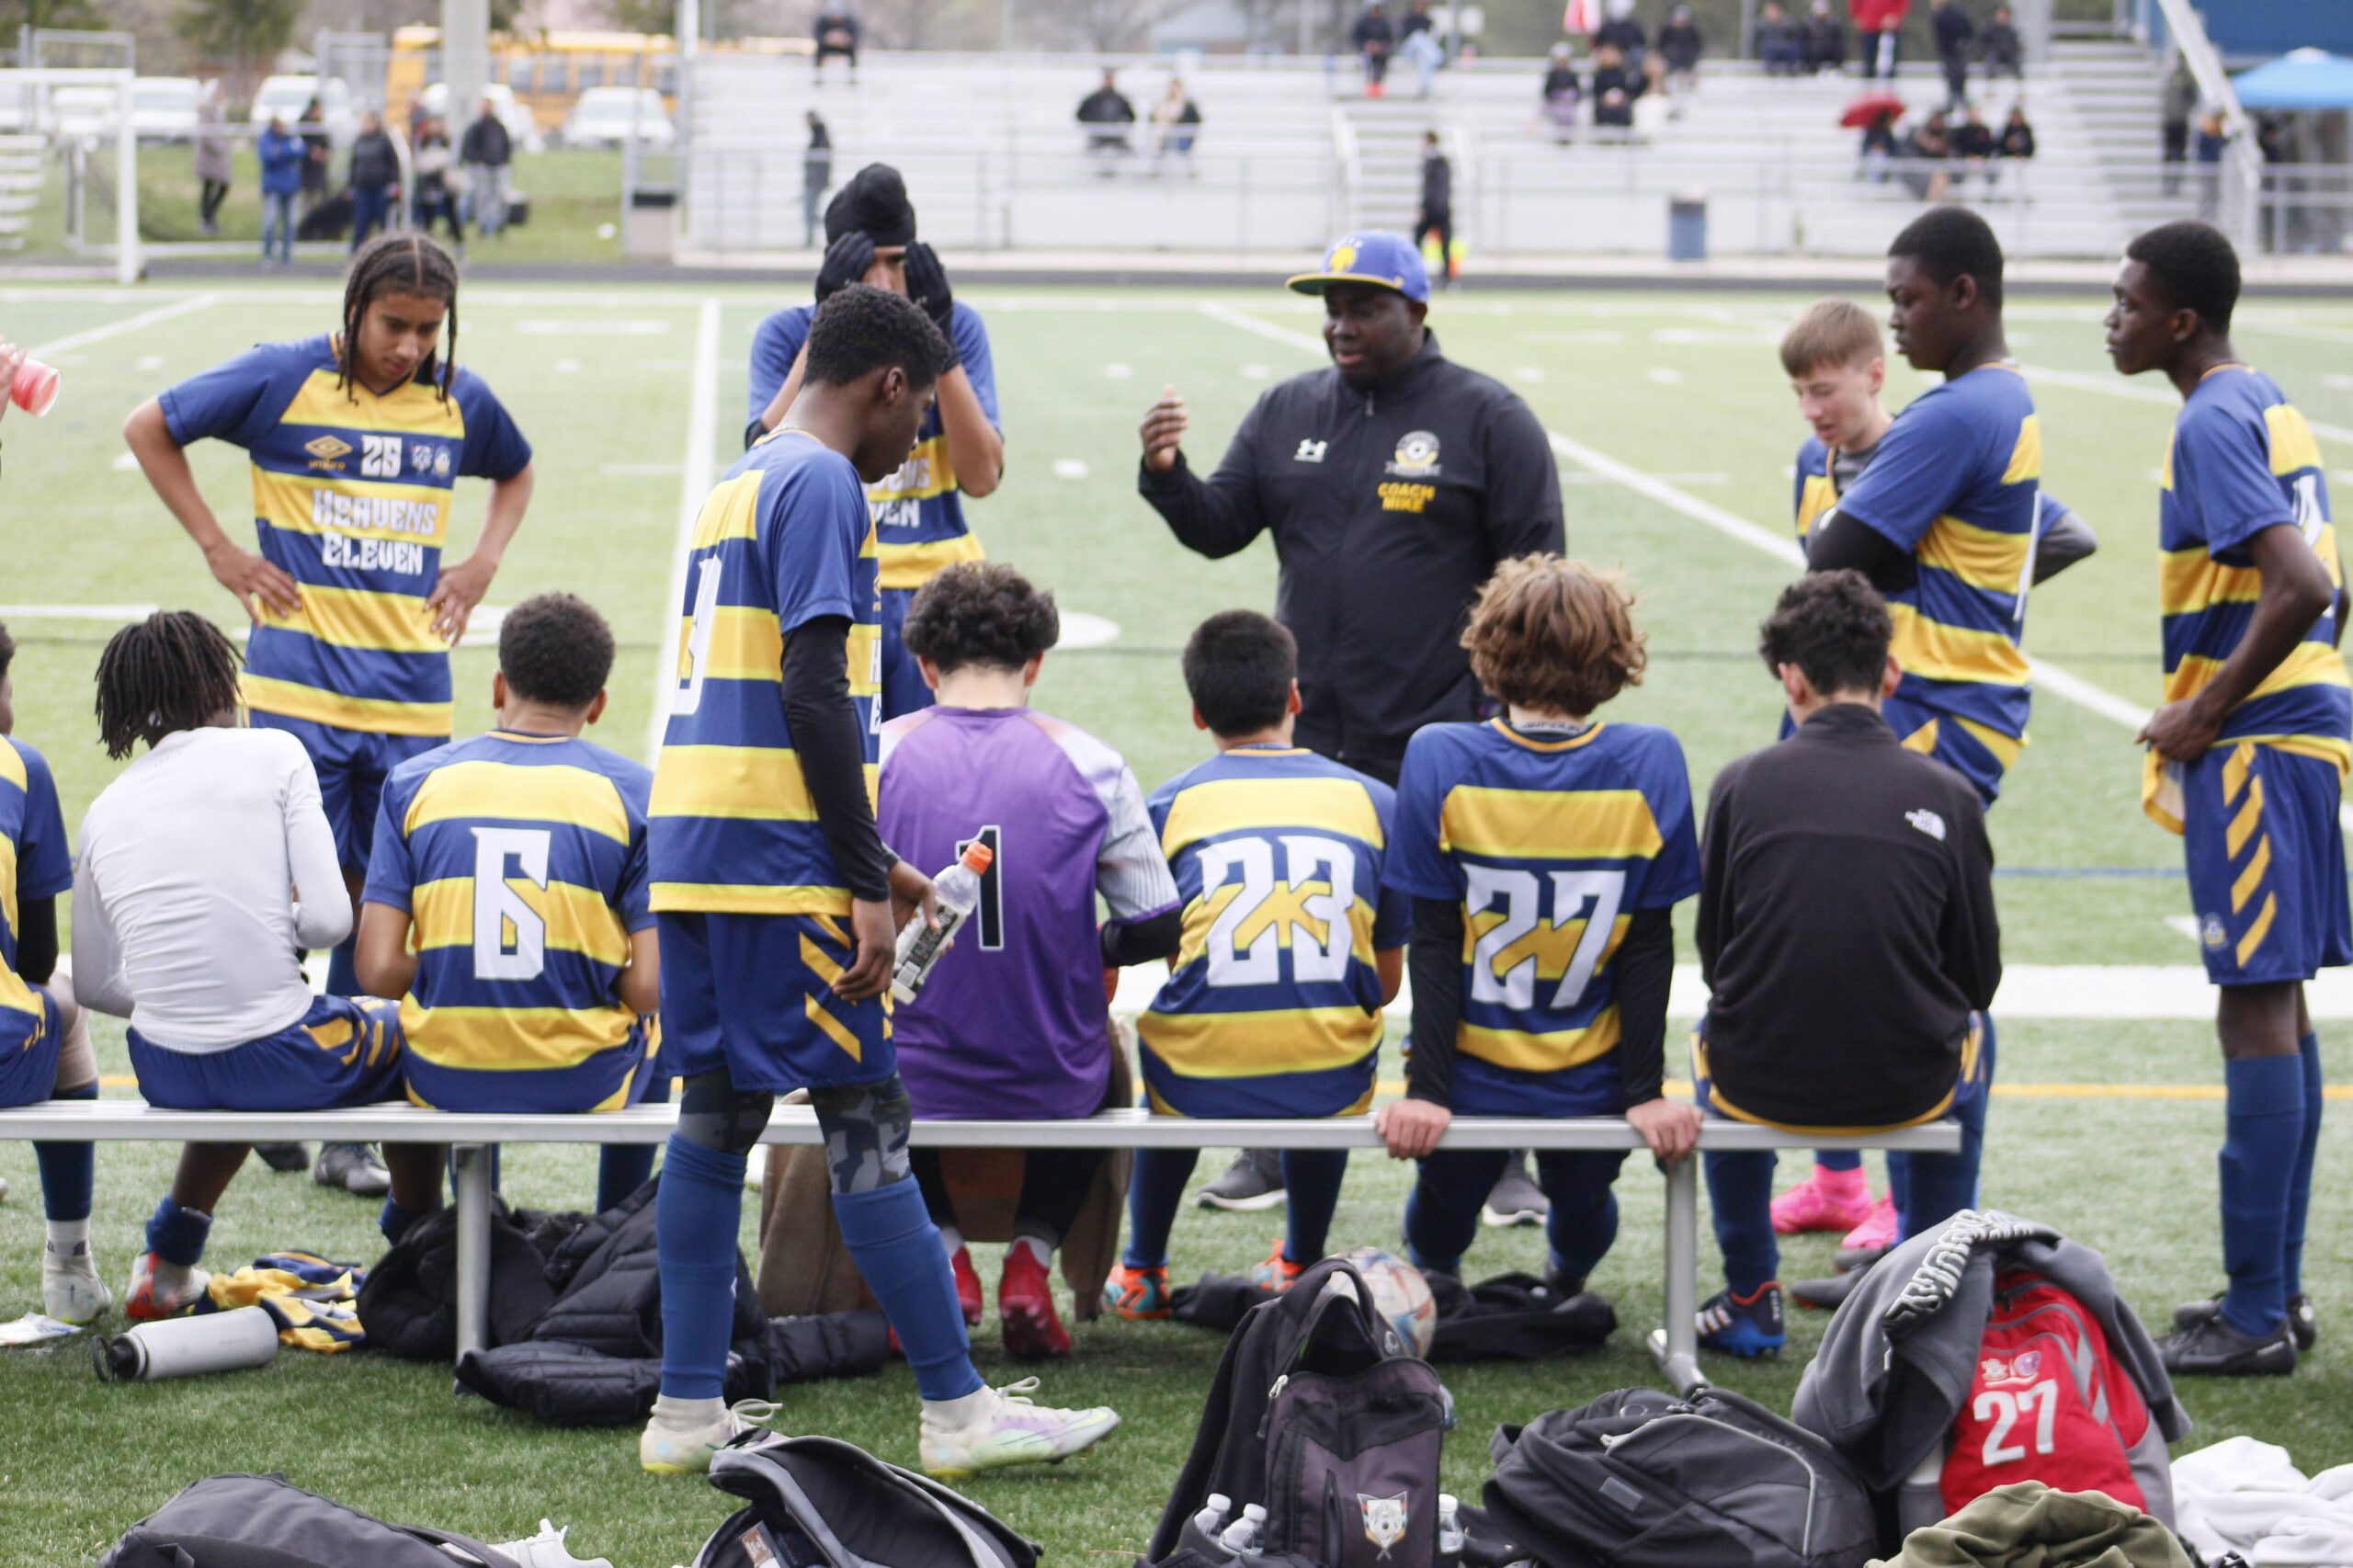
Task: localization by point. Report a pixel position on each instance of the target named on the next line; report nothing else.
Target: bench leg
(469, 1174)
(1676, 1345)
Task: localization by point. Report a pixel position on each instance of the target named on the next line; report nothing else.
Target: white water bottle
(185, 1347)
(1242, 1534)
(958, 889)
(1211, 1519)
(1452, 1538)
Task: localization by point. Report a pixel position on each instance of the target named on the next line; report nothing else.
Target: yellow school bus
(549, 71)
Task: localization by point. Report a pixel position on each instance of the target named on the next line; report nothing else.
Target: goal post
(69, 172)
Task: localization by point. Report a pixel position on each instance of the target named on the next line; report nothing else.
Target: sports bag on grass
(822, 1503)
(1321, 1413)
(262, 1521)
(1640, 1479)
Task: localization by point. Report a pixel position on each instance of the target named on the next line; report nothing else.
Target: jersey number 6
(510, 936)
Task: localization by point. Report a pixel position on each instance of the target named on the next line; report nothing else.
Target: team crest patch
(420, 455)
(326, 449)
(1384, 1519)
(1344, 255)
(1416, 454)
(2023, 1369)
(2211, 932)
(440, 462)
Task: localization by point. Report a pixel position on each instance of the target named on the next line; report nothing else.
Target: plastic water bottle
(958, 889)
(1211, 1519)
(1242, 1534)
(1452, 1538)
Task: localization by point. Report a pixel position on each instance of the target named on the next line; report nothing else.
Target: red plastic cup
(35, 387)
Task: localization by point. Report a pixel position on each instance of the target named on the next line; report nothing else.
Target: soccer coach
(1393, 482)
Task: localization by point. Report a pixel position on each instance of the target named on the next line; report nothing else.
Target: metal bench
(470, 1135)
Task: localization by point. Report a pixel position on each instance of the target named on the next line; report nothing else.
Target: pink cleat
(1877, 1232)
(1815, 1205)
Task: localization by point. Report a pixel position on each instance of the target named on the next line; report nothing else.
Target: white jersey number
(1594, 894)
(687, 695)
(510, 936)
(1317, 901)
(2005, 1410)
(380, 457)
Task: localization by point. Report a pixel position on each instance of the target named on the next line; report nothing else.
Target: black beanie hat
(873, 203)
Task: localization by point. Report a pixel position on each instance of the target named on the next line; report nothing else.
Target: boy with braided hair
(183, 924)
(358, 438)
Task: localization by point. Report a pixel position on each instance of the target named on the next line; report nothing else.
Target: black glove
(928, 287)
(845, 262)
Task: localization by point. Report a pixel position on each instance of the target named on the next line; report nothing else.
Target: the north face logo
(1928, 821)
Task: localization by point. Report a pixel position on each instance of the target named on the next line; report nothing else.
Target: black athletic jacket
(1390, 505)
(1846, 925)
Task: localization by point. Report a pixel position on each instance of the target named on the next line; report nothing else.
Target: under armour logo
(1309, 452)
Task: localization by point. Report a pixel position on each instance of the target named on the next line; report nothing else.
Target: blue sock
(1839, 1159)
(1311, 1191)
(2266, 1116)
(1155, 1191)
(69, 1171)
(1584, 1220)
(1740, 1197)
(2300, 1180)
(395, 1218)
(896, 1247)
(176, 1234)
(695, 1215)
(342, 972)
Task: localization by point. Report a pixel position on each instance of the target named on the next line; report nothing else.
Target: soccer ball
(1400, 1294)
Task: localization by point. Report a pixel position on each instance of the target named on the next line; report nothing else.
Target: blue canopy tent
(2302, 79)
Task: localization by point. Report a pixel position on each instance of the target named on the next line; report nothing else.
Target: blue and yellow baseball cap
(1383, 260)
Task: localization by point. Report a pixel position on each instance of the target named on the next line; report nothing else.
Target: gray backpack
(822, 1503)
(265, 1521)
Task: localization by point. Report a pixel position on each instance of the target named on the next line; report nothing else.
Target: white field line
(694, 483)
(73, 340)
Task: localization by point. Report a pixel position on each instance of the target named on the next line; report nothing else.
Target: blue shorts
(2267, 864)
(903, 690)
(351, 766)
(28, 1069)
(604, 1080)
(344, 1052)
(753, 993)
(1969, 1090)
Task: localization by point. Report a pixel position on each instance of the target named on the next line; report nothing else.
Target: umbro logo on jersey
(327, 448)
(1928, 821)
(1310, 452)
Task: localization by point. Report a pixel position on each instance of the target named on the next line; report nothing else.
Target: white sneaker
(546, 1550)
(1013, 1431)
(71, 1290)
(666, 1449)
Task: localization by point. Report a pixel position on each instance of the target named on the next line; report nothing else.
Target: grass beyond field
(1676, 431)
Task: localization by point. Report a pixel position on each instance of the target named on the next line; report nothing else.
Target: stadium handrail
(471, 1133)
(2240, 156)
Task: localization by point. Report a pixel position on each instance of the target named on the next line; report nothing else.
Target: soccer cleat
(1876, 1234)
(353, 1167)
(548, 1549)
(285, 1158)
(71, 1290)
(1255, 1180)
(967, 1286)
(1277, 1272)
(1025, 1305)
(1854, 1260)
(1515, 1200)
(2213, 1347)
(666, 1449)
(1136, 1294)
(2303, 1323)
(1012, 1431)
(1746, 1327)
(1811, 1207)
(144, 1304)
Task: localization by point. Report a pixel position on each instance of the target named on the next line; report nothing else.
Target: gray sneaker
(1255, 1180)
(1516, 1200)
(2212, 1348)
(353, 1167)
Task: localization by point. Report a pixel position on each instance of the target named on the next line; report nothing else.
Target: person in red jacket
(1879, 25)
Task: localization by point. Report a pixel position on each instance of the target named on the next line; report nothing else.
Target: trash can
(650, 227)
(1687, 226)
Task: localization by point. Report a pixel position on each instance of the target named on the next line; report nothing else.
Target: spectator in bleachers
(1973, 145)
(816, 174)
(1438, 206)
(836, 30)
(1416, 19)
(1954, 33)
(2179, 103)
(1624, 33)
(1107, 110)
(1925, 147)
(2212, 138)
(2000, 49)
(1562, 93)
(1175, 120)
(2017, 136)
(375, 171)
(1616, 85)
(1423, 51)
(1879, 28)
(1679, 46)
(1825, 38)
(1374, 37)
(1878, 148)
(1779, 46)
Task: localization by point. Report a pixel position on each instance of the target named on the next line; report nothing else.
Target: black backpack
(1640, 1479)
(822, 1503)
(1321, 1413)
(264, 1521)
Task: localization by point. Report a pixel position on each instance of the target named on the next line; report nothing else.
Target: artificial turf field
(1676, 431)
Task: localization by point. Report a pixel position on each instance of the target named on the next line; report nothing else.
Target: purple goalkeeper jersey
(1012, 1022)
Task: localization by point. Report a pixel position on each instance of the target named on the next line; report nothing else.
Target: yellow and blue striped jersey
(1272, 1006)
(1550, 844)
(2241, 460)
(1954, 480)
(351, 498)
(521, 860)
(35, 862)
(782, 539)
